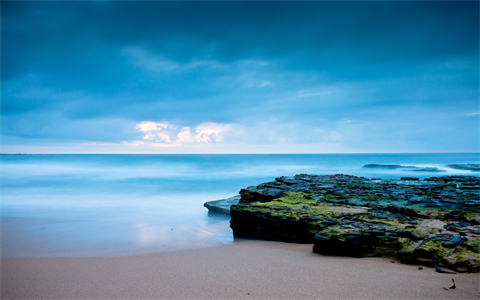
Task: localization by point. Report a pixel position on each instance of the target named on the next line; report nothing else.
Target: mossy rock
(431, 250)
(356, 216)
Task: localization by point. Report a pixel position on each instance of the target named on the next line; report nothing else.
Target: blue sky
(239, 77)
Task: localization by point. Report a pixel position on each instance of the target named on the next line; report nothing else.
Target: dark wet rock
(440, 270)
(354, 245)
(447, 240)
(471, 167)
(373, 243)
(222, 206)
(474, 222)
(456, 226)
(405, 234)
(253, 194)
(356, 216)
(403, 210)
(455, 215)
(275, 227)
(410, 178)
(287, 180)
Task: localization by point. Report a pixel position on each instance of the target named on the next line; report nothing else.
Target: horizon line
(289, 153)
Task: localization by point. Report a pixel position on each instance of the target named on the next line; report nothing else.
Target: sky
(240, 77)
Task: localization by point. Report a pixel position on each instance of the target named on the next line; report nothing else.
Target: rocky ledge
(434, 221)
(221, 206)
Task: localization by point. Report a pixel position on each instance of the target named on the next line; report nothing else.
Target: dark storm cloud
(302, 63)
(330, 35)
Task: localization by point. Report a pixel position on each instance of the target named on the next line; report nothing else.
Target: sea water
(95, 205)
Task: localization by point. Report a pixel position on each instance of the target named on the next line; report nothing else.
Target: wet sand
(244, 270)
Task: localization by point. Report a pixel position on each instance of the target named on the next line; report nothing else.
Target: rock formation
(434, 221)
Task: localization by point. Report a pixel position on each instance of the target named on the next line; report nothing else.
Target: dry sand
(244, 270)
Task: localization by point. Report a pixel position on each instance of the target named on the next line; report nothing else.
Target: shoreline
(250, 269)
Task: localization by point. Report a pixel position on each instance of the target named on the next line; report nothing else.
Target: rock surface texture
(434, 221)
(221, 206)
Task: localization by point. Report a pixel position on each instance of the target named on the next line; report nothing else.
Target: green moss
(264, 210)
(294, 198)
(431, 245)
(392, 222)
(470, 215)
(315, 225)
(422, 231)
(407, 249)
(335, 231)
(432, 250)
(387, 247)
(362, 184)
(278, 208)
(383, 251)
(465, 258)
(297, 203)
(472, 245)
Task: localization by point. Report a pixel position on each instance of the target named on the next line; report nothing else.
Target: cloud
(149, 136)
(159, 134)
(150, 126)
(250, 73)
(144, 59)
(185, 136)
(303, 94)
(155, 62)
(473, 114)
(205, 132)
(164, 137)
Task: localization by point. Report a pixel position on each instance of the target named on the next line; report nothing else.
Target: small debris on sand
(452, 287)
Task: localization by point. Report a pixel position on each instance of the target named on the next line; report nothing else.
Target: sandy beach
(243, 270)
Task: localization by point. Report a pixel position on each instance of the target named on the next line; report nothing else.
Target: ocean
(104, 205)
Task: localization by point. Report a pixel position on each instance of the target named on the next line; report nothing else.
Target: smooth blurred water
(91, 205)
